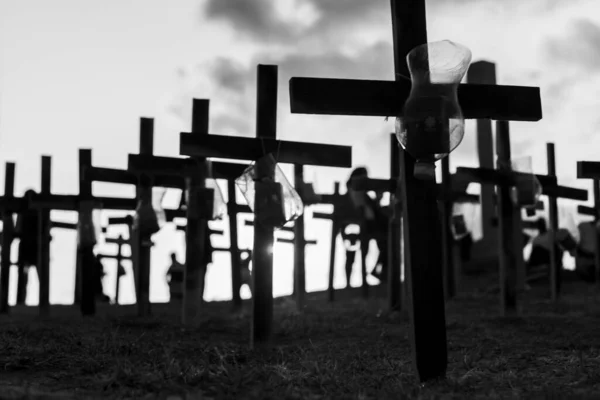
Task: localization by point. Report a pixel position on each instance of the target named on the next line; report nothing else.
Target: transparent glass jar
(432, 123)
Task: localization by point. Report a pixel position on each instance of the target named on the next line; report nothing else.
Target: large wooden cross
(243, 148)
(422, 235)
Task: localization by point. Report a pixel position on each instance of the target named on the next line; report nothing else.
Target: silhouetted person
(584, 251)
(245, 267)
(541, 247)
(27, 229)
(175, 278)
(374, 221)
(351, 244)
(98, 275)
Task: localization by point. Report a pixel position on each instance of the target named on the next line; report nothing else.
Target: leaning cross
(422, 226)
(243, 148)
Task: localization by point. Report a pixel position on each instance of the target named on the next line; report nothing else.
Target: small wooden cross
(512, 264)
(119, 241)
(591, 170)
(422, 235)
(243, 148)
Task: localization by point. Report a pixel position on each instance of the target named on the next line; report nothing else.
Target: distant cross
(243, 148)
(422, 232)
(591, 170)
(119, 257)
(550, 188)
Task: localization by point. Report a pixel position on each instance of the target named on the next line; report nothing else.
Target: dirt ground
(349, 349)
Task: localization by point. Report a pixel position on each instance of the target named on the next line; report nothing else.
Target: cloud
(579, 49)
(256, 18)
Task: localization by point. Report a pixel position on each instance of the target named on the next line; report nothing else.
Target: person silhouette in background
(27, 231)
(245, 267)
(350, 237)
(99, 273)
(373, 221)
(541, 247)
(175, 277)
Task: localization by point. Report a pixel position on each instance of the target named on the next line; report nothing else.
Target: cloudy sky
(79, 74)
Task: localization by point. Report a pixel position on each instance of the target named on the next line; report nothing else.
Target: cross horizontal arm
(211, 231)
(63, 225)
(120, 176)
(127, 220)
(116, 240)
(13, 204)
(291, 241)
(244, 148)
(322, 215)
(70, 202)
(500, 177)
(386, 98)
(390, 185)
(586, 210)
(588, 169)
(565, 192)
(114, 257)
(179, 166)
(283, 228)
(527, 224)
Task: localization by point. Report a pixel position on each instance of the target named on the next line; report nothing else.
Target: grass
(350, 349)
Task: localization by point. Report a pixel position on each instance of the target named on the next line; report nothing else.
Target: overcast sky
(79, 74)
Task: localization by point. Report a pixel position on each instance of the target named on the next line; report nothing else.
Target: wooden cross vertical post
(299, 246)
(7, 237)
(511, 263)
(44, 240)
(86, 263)
(447, 239)
(394, 255)
(120, 243)
(555, 272)
(236, 265)
(484, 72)
(262, 254)
(197, 223)
(143, 242)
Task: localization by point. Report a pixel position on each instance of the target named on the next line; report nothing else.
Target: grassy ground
(350, 349)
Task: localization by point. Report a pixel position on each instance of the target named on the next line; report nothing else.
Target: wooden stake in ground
(422, 237)
(7, 236)
(243, 148)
